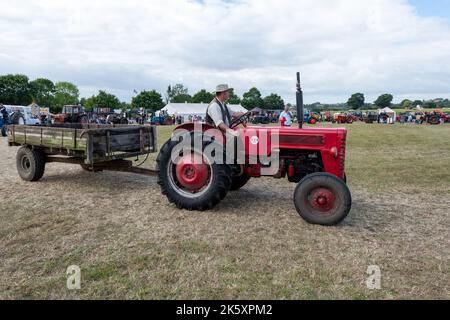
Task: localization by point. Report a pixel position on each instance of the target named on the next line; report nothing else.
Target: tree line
(357, 101)
(17, 89)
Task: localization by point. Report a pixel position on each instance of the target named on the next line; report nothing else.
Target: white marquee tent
(391, 113)
(194, 109)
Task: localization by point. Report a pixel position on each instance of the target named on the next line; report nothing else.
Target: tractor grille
(301, 139)
(341, 155)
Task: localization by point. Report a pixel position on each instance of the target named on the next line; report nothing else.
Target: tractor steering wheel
(244, 119)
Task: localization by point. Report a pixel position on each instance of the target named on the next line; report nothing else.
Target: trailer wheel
(239, 181)
(30, 164)
(323, 199)
(192, 185)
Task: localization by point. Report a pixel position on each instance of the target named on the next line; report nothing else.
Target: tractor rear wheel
(323, 199)
(239, 181)
(30, 164)
(194, 181)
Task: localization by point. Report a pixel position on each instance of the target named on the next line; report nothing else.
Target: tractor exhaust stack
(299, 102)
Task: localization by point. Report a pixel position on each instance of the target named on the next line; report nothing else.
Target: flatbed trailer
(93, 147)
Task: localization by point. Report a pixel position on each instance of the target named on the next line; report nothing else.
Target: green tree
(66, 93)
(101, 100)
(383, 101)
(125, 106)
(176, 90)
(203, 96)
(430, 105)
(234, 99)
(252, 99)
(181, 98)
(417, 103)
(273, 102)
(15, 89)
(445, 104)
(356, 101)
(406, 104)
(148, 100)
(43, 92)
(107, 100)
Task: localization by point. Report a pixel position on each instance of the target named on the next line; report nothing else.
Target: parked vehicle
(22, 115)
(370, 117)
(108, 116)
(72, 114)
(343, 118)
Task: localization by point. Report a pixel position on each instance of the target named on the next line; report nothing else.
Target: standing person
(287, 116)
(4, 113)
(218, 114)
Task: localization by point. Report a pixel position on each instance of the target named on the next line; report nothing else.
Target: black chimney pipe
(299, 102)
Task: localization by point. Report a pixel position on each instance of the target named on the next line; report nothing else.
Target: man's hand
(231, 132)
(237, 115)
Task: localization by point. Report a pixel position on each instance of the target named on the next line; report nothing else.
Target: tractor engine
(298, 164)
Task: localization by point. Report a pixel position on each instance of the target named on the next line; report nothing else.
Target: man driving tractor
(218, 114)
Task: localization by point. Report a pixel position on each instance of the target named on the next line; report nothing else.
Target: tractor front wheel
(322, 199)
(30, 164)
(193, 181)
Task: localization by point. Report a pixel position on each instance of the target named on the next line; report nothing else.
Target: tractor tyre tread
(320, 180)
(37, 164)
(239, 181)
(219, 189)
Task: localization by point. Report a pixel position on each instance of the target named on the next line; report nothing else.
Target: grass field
(131, 243)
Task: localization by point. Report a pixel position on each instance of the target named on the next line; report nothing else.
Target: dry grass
(130, 243)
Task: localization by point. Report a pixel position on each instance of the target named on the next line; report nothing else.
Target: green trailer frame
(100, 147)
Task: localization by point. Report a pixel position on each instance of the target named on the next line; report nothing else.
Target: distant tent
(392, 115)
(256, 110)
(194, 109)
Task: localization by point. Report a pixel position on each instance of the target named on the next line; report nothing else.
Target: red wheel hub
(192, 172)
(321, 199)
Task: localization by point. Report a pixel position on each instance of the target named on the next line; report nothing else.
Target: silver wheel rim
(178, 189)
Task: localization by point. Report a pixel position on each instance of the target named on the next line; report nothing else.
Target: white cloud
(340, 46)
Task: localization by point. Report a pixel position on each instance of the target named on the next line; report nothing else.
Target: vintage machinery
(72, 114)
(192, 178)
(343, 118)
(108, 116)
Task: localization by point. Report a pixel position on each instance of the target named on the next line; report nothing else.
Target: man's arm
(215, 113)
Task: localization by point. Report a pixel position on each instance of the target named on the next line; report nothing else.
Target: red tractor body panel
(258, 141)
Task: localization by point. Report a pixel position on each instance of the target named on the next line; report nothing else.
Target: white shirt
(215, 112)
(287, 116)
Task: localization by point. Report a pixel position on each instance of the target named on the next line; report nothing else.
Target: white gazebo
(392, 115)
(186, 110)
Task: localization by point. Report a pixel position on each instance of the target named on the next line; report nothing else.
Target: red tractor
(198, 166)
(72, 114)
(343, 118)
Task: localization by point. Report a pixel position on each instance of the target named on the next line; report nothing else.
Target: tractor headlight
(334, 152)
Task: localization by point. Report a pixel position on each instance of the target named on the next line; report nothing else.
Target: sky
(339, 46)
